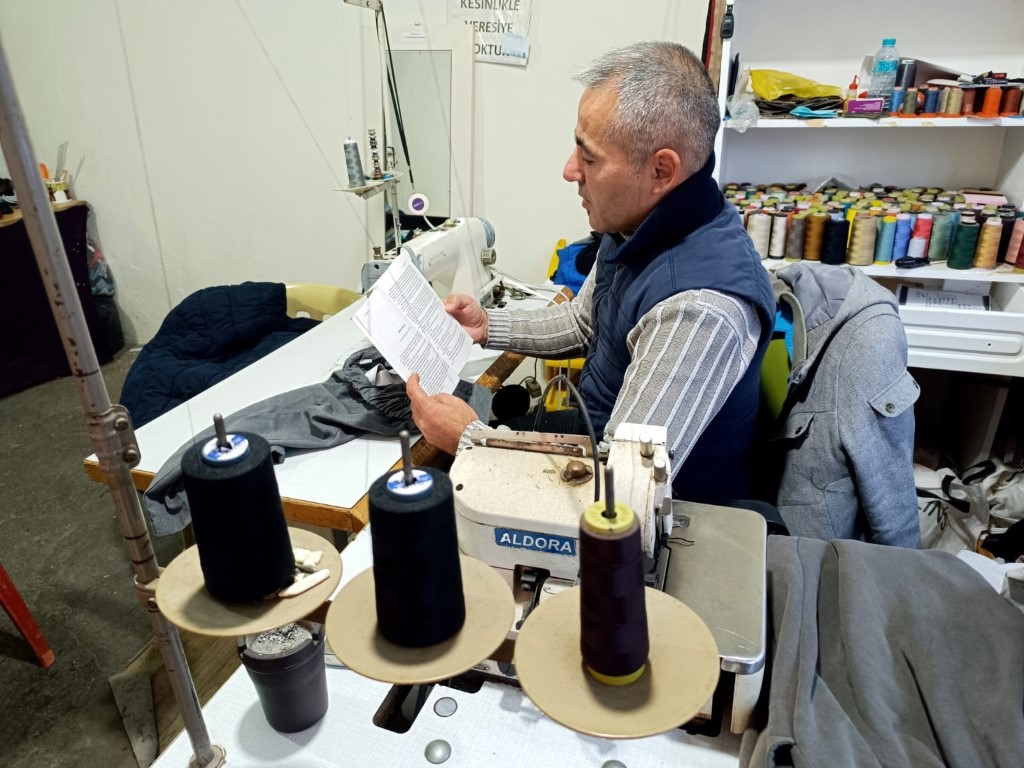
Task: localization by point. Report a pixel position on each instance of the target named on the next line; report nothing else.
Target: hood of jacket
(823, 298)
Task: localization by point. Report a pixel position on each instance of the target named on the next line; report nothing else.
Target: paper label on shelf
(407, 322)
(977, 288)
(936, 299)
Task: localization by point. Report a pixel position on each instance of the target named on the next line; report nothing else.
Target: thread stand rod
(403, 436)
(222, 433)
(609, 493)
(109, 426)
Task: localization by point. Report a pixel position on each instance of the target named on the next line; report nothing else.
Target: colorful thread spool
(862, 241)
(896, 100)
(1007, 217)
(795, 241)
(985, 257)
(814, 235)
(777, 244)
(885, 239)
(965, 241)
(910, 103)
(1011, 102)
(922, 231)
(1016, 241)
(837, 231)
(970, 96)
(759, 227)
(942, 230)
(614, 638)
(993, 98)
(241, 534)
(904, 232)
(413, 521)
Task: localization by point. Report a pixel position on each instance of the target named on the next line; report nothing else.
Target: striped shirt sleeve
(561, 330)
(687, 355)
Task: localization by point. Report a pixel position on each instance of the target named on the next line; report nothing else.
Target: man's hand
(440, 418)
(470, 315)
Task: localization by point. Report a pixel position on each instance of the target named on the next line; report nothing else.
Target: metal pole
(109, 426)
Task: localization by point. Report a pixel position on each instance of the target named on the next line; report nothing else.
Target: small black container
(291, 682)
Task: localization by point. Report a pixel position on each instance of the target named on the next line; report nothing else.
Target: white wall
(202, 171)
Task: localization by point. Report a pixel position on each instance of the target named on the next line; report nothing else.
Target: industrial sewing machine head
(456, 257)
(518, 500)
(519, 495)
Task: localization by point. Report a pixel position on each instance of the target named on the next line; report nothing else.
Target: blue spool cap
(216, 456)
(421, 485)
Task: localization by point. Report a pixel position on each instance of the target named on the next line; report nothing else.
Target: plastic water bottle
(883, 72)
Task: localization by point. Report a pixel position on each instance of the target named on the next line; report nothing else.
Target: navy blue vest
(691, 240)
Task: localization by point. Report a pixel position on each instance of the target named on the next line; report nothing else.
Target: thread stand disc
(681, 675)
(352, 630)
(182, 597)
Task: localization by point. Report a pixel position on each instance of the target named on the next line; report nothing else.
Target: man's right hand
(470, 315)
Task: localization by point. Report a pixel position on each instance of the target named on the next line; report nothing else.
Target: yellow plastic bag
(771, 84)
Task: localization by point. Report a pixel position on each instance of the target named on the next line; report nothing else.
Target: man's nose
(572, 171)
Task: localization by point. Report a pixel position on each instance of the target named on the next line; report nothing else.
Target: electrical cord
(586, 419)
(393, 88)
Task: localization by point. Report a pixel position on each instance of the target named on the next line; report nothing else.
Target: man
(675, 315)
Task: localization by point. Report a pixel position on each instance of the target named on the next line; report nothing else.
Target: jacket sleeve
(560, 330)
(876, 428)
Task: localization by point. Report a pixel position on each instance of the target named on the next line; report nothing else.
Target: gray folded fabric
(315, 417)
(888, 657)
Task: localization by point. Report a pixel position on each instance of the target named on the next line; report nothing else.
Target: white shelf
(887, 122)
(1002, 274)
(372, 187)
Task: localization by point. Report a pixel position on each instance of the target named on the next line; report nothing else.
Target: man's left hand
(440, 418)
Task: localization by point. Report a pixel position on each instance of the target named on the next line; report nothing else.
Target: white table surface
(336, 477)
(497, 727)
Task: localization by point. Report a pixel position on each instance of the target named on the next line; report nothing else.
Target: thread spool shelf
(886, 122)
(372, 187)
(938, 271)
(783, 150)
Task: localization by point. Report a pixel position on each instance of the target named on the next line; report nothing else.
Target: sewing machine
(519, 495)
(518, 500)
(455, 257)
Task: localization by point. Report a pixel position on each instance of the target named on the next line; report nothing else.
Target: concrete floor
(61, 545)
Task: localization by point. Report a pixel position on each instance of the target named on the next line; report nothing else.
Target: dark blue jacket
(210, 335)
(691, 240)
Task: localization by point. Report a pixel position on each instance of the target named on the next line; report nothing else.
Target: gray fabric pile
(888, 657)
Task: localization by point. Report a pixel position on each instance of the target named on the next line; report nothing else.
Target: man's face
(615, 194)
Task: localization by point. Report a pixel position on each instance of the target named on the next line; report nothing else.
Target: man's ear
(667, 171)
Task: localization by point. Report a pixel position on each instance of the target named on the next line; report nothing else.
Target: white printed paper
(925, 297)
(408, 324)
(502, 28)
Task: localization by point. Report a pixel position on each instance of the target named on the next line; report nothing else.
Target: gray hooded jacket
(847, 440)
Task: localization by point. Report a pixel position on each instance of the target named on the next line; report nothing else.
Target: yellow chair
(317, 301)
(775, 377)
(558, 398)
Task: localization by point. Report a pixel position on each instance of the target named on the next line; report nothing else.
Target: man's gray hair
(666, 100)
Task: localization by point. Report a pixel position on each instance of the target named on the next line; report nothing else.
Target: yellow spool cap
(619, 680)
(594, 519)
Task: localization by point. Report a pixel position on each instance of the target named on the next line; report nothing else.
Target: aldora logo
(538, 542)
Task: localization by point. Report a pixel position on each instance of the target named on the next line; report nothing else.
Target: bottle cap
(889, 41)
